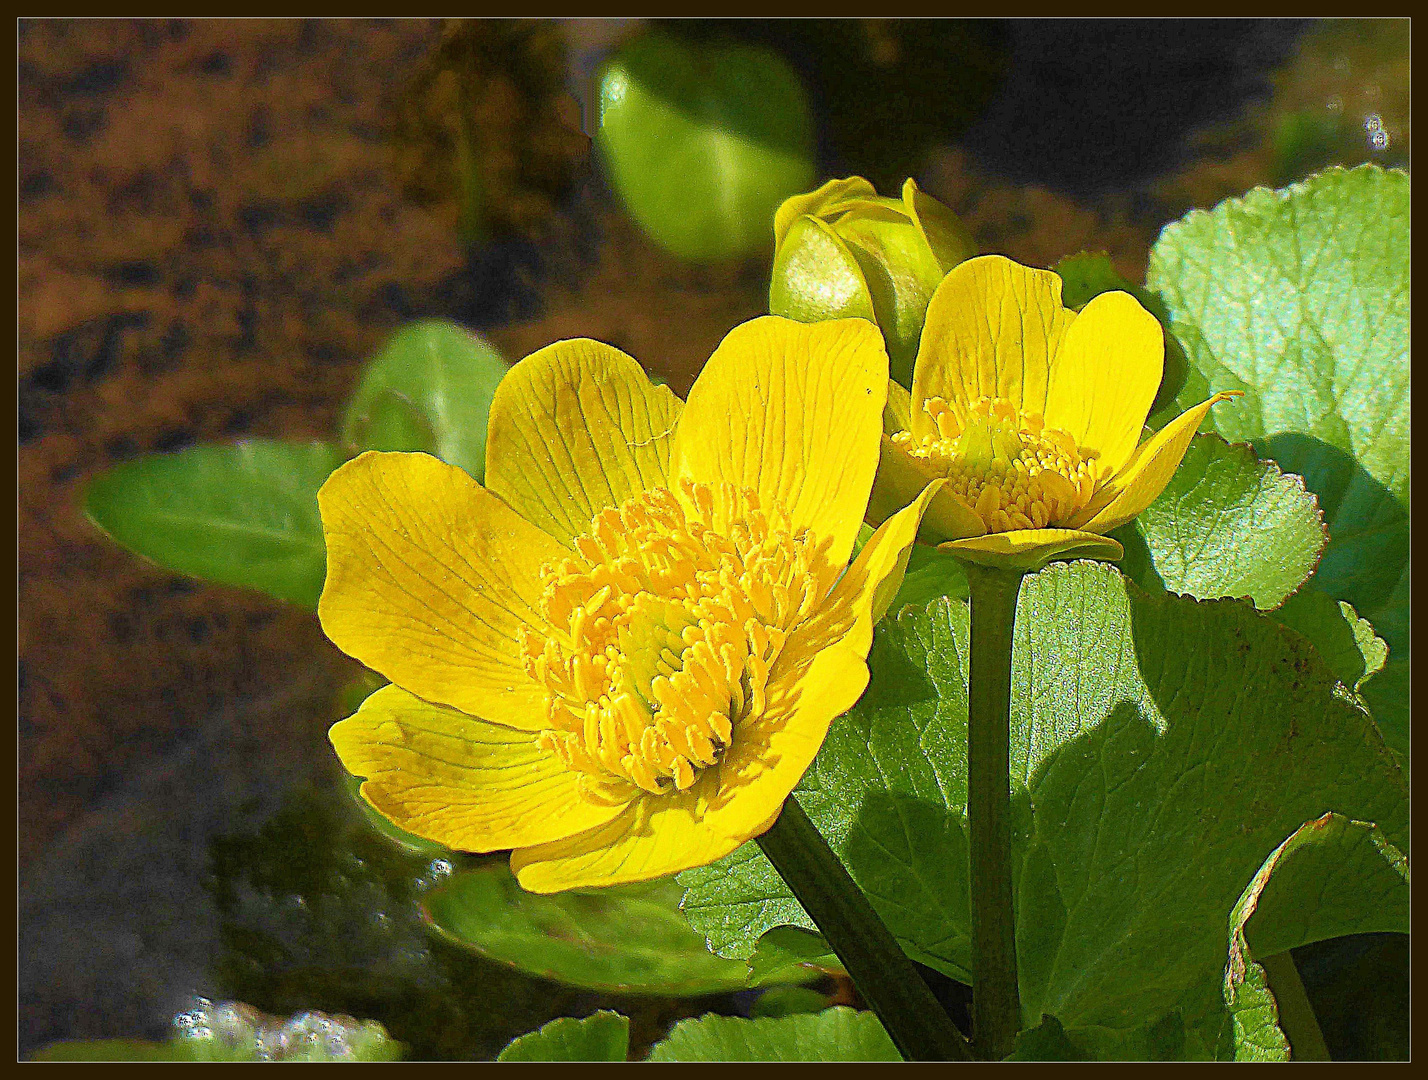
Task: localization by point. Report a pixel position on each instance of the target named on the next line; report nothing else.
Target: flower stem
(996, 999)
(919, 1026)
(1296, 1015)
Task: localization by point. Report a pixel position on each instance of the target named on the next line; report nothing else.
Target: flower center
(1012, 469)
(668, 620)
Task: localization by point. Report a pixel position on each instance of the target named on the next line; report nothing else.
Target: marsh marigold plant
(620, 655)
(1032, 414)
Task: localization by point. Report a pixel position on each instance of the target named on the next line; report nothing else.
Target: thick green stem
(996, 1000)
(919, 1026)
(1296, 1015)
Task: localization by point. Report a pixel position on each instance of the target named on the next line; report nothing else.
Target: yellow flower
(1032, 413)
(620, 655)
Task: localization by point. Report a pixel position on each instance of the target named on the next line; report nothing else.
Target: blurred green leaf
(703, 142)
(239, 515)
(429, 389)
(623, 939)
(839, 1034)
(604, 1036)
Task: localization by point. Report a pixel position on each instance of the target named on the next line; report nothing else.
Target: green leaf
(785, 954)
(840, 1034)
(1227, 524)
(1161, 747)
(129, 1050)
(429, 389)
(603, 1036)
(1347, 643)
(239, 515)
(1159, 1040)
(1359, 882)
(788, 1001)
(1300, 298)
(623, 939)
(703, 142)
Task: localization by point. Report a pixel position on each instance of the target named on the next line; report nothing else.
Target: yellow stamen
(677, 609)
(1007, 465)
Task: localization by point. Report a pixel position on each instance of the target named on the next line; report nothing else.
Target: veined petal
(457, 780)
(829, 198)
(992, 329)
(900, 479)
(793, 411)
(575, 428)
(1105, 376)
(664, 834)
(430, 579)
(1148, 471)
(1031, 549)
(862, 594)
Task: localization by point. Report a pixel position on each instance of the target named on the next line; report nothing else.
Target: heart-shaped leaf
(1161, 748)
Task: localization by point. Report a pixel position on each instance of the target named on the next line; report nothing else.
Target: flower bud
(844, 251)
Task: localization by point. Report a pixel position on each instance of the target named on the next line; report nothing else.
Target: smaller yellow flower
(619, 656)
(1032, 413)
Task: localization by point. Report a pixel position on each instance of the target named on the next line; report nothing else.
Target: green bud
(844, 252)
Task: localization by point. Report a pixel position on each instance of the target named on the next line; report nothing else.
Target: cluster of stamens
(667, 622)
(1007, 465)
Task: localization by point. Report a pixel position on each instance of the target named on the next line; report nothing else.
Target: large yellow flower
(621, 654)
(1032, 413)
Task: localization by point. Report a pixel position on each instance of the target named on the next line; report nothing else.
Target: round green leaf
(1300, 298)
(1227, 524)
(1161, 748)
(430, 389)
(704, 142)
(602, 1036)
(624, 939)
(239, 515)
(840, 1034)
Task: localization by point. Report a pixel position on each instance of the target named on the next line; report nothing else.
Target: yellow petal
(862, 594)
(900, 478)
(793, 411)
(992, 329)
(1031, 549)
(575, 428)
(457, 780)
(827, 199)
(430, 579)
(658, 835)
(1147, 472)
(1105, 376)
